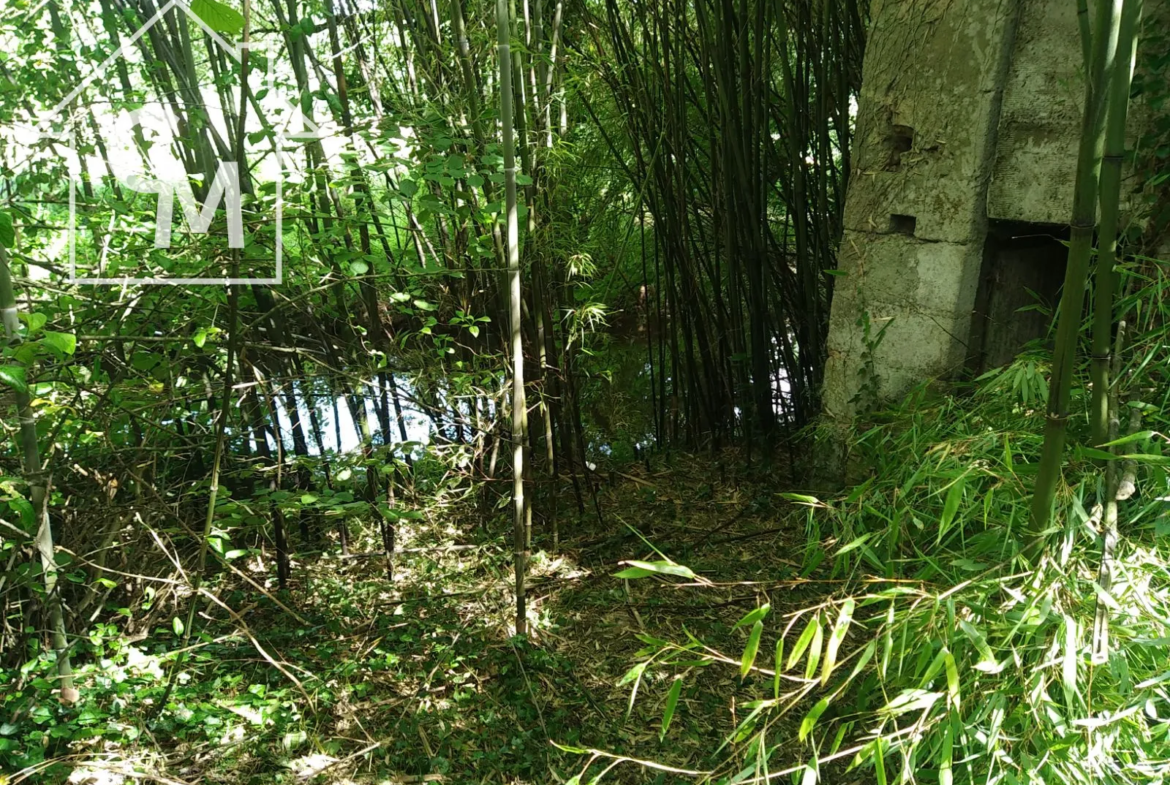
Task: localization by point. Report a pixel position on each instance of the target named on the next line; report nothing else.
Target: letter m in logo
(225, 188)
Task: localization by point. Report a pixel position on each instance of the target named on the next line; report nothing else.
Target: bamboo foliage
(43, 539)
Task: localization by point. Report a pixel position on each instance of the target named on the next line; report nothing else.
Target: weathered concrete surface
(934, 70)
(1040, 123)
(969, 117)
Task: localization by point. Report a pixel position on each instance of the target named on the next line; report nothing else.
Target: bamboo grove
(479, 259)
(737, 119)
(461, 199)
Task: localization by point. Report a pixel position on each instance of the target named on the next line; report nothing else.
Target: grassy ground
(365, 680)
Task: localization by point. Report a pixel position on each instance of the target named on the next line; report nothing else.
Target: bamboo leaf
(810, 719)
(814, 650)
(1153, 460)
(946, 758)
(1141, 436)
(951, 506)
(911, 700)
(634, 675)
(857, 543)
(671, 704)
(801, 498)
(779, 667)
(753, 616)
(952, 680)
(802, 643)
(1068, 670)
(749, 652)
(836, 637)
(987, 663)
(7, 230)
(641, 569)
(1105, 597)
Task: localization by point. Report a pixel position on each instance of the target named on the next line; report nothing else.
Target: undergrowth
(893, 632)
(948, 649)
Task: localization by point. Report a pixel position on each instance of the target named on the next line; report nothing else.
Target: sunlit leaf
(810, 719)
(14, 376)
(671, 703)
(802, 643)
(641, 569)
(753, 616)
(219, 17)
(836, 637)
(749, 651)
(65, 343)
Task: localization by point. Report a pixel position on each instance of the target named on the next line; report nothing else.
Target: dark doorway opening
(1023, 270)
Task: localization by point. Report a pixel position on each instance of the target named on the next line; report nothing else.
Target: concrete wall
(1040, 122)
(936, 70)
(968, 126)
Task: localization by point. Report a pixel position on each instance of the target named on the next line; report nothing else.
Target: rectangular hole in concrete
(1023, 271)
(903, 224)
(901, 140)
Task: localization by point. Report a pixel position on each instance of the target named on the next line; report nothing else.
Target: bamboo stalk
(1110, 196)
(1084, 215)
(519, 406)
(1105, 412)
(43, 541)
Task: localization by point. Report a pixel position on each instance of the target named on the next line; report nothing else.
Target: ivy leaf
(35, 321)
(13, 376)
(65, 343)
(219, 17)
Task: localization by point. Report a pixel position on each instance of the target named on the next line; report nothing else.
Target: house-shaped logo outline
(310, 131)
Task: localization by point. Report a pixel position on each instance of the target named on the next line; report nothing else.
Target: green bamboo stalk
(519, 406)
(1110, 196)
(1086, 34)
(43, 542)
(1084, 215)
(1105, 406)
